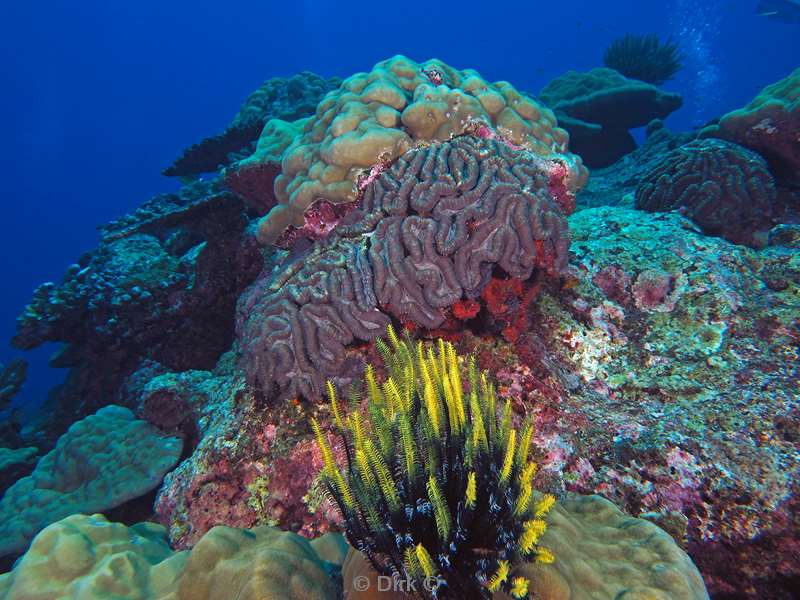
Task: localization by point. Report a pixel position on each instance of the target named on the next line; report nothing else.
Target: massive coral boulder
(600, 553)
(375, 117)
(90, 558)
(723, 187)
(600, 106)
(429, 231)
(770, 125)
(278, 98)
(15, 464)
(102, 461)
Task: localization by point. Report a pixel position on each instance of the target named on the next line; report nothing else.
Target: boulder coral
(375, 117)
(598, 108)
(770, 125)
(90, 558)
(428, 232)
(102, 461)
(726, 189)
(600, 553)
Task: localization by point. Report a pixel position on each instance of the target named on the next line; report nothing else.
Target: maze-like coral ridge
(377, 116)
(724, 188)
(428, 232)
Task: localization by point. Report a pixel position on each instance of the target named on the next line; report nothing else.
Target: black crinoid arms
(437, 485)
(644, 57)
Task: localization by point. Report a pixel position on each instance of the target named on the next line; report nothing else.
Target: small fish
(785, 11)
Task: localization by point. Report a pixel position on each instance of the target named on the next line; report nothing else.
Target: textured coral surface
(377, 116)
(598, 108)
(91, 558)
(723, 187)
(601, 553)
(609, 98)
(660, 364)
(428, 232)
(770, 124)
(102, 461)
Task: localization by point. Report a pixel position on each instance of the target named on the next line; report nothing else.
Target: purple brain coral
(428, 232)
(375, 117)
(724, 188)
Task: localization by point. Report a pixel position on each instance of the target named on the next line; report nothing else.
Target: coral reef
(88, 557)
(724, 188)
(248, 466)
(102, 461)
(770, 125)
(644, 57)
(600, 106)
(12, 377)
(162, 285)
(428, 232)
(601, 553)
(91, 558)
(375, 117)
(616, 184)
(253, 178)
(278, 98)
(437, 485)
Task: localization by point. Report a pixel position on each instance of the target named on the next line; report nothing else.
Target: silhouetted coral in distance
(644, 57)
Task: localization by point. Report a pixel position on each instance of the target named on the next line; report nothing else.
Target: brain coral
(600, 553)
(377, 116)
(724, 188)
(99, 463)
(770, 125)
(428, 232)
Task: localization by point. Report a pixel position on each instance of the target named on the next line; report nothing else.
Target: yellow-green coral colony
(436, 484)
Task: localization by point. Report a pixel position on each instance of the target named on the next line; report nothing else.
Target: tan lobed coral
(377, 116)
(770, 125)
(600, 553)
(99, 463)
(88, 558)
(263, 563)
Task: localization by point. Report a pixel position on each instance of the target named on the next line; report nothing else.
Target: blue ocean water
(98, 97)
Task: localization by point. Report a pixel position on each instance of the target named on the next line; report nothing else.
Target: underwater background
(106, 95)
(101, 97)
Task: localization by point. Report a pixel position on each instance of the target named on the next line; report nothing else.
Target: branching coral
(644, 57)
(437, 488)
(429, 232)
